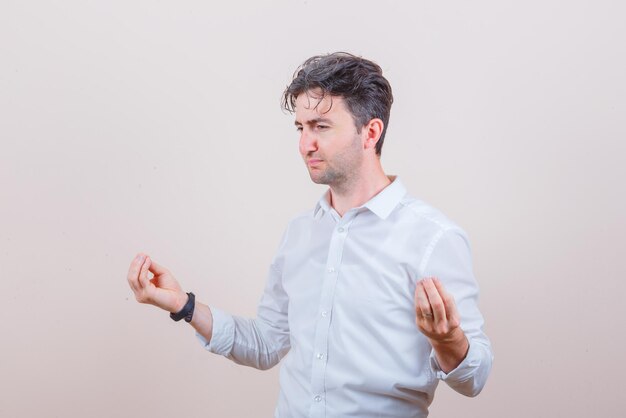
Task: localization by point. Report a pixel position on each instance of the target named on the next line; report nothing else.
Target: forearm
(470, 376)
(239, 339)
(451, 352)
(202, 320)
(260, 342)
(251, 342)
(463, 362)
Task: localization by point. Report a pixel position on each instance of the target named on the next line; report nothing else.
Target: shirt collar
(381, 205)
(322, 206)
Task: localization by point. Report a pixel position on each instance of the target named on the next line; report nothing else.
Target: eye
(322, 127)
(299, 128)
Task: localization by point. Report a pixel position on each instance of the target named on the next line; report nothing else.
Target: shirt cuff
(223, 333)
(464, 371)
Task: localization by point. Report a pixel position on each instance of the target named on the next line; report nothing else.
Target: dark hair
(358, 81)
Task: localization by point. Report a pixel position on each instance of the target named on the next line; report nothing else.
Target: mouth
(313, 162)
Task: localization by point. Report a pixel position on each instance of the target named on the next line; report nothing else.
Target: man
(371, 298)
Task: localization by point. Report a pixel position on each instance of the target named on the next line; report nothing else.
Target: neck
(358, 190)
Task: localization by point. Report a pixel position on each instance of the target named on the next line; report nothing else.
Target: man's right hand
(162, 290)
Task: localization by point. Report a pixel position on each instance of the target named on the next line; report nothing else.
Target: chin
(317, 179)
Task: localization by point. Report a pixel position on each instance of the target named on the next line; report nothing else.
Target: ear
(371, 132)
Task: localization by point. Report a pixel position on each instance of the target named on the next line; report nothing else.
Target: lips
(312, 162)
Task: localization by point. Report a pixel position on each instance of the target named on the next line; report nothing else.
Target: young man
(370, 299)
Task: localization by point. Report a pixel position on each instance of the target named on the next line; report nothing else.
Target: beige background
(155, 126)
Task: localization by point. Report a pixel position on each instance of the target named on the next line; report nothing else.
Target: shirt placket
(322, 329)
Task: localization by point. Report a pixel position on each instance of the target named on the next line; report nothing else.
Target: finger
(422, 306)
(143, 275)
(448, 299)
(133, 272)
(436, 302)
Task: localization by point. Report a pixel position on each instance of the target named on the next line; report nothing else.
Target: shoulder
(301, 219)
(436, 230)
(416, 210)
(298, 225)
(421, 214)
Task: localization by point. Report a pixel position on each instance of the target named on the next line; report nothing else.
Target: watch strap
(187, 311)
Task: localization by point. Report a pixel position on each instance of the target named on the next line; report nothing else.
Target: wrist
(187, 310)
(452, 351)
(456, 338)
(180, 302)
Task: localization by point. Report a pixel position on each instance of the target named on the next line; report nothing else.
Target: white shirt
(339, 307)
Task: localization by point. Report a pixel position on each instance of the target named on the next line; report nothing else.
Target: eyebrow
(314, 121)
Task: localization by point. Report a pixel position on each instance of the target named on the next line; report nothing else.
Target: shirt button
(324, 313)
(330, 269)
(317, 398)
(320, 356)
(340, 229)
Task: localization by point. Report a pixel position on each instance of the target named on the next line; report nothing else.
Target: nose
(308, 141)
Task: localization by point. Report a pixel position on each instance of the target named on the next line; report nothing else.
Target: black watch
(187, 311)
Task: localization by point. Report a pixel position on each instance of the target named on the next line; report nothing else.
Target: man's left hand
(438, 319)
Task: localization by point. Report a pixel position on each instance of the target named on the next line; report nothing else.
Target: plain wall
(155, 126)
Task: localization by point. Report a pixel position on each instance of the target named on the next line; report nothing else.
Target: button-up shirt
(339, 310)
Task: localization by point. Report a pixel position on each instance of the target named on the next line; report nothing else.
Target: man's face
(329, 143)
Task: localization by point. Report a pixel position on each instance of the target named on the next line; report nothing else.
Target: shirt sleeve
(259, 342)
(451, 262)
